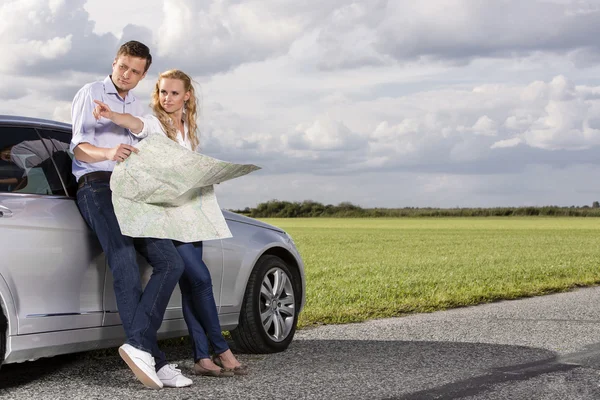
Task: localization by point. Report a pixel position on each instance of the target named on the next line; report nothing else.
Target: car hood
(231, 216)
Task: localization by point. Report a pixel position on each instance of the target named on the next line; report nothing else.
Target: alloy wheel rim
(277, 304)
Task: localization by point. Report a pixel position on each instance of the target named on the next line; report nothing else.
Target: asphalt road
(538, 348)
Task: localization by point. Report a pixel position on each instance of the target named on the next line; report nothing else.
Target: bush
(312, 209)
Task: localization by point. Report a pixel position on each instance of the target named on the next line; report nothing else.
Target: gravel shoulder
(536, 348)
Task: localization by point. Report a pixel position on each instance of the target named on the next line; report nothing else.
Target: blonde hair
(190, 107)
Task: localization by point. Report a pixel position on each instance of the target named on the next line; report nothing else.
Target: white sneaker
(170, 376)
(142, 365)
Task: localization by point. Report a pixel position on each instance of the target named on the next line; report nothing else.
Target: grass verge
(358, 269)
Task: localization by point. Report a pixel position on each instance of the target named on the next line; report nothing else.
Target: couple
(103, 137)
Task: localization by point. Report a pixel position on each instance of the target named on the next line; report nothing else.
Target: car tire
(269, 313)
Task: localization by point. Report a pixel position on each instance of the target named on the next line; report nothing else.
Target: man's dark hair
(133, 48)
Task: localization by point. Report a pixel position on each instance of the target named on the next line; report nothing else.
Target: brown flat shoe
(241, 370)
(222, 373)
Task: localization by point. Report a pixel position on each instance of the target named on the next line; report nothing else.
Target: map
(166, 191)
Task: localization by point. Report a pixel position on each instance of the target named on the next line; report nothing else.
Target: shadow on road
(15, 375)
(314, 368)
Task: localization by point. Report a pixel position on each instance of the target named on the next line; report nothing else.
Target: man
(97, 147)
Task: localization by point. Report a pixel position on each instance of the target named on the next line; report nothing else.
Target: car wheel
(269, 313)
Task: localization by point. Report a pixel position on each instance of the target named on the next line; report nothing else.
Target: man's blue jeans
(198, 302)
(141, 312)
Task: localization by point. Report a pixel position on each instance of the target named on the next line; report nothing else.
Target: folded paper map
(166, 191)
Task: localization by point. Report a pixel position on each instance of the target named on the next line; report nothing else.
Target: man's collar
(110, 88)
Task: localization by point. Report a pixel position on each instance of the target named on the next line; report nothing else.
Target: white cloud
(50, 38)
(56, 5)
(348, 39)
(444, 96)
(325, 134)
(457, 31)
(507, 143)
(62, 112)
(484, 126)
(50, 49)
(565, 121)
(444, 130)
(20, 44)
(147, 13)
(212, 37)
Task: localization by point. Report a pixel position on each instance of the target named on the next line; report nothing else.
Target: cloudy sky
(384, 103)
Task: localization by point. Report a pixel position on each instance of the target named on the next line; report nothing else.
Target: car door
(51, 260)
(212, 256)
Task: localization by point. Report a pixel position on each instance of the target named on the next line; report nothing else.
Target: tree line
(312, 209)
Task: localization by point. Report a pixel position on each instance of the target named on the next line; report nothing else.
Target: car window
(58, 145)
(25, 165)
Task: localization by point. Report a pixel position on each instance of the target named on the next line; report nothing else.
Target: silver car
(56, 290)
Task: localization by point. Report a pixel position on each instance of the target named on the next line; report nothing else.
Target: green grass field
(358, 269)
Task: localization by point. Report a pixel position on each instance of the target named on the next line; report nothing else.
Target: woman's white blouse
(153, 125)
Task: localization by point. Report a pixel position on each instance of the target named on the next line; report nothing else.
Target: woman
(174, 106)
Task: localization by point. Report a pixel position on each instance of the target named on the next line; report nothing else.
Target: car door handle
(5, 212)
